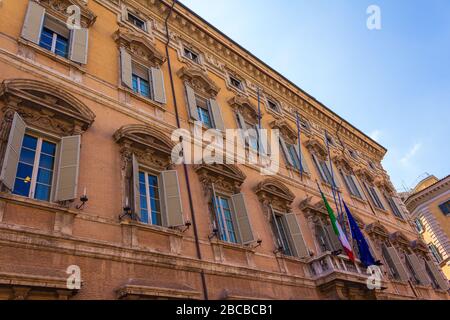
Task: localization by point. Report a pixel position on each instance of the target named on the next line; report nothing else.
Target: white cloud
(376, 135)
(411, 153)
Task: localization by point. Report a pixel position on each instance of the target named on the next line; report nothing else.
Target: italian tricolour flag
(338, 230)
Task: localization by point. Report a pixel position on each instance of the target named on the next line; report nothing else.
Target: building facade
(429, 206)
(89, 193)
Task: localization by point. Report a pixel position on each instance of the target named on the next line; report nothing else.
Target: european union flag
(364, 252)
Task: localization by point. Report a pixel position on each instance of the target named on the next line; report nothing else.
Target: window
(191, 55)
(395, 209)
(375, 198)
(141, 80)
(34, 178)
(351, 183)
(55, 37)
(419, 225)
(224, 216)
(435, 252)
(445, 208)
(150, 200)
(294, 156)
(137, 22)
(236, 83)
(273, 106)
(281, 234)
(353, 154)
(324, 170)
(329, 140)
(372, 165)
(204, 114)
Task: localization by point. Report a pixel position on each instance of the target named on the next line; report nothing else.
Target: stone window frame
(149, 148)
(56, 10)
(226, 180)
(346, 165)
(137, 48)
(123, 21)
(243, 83)
(275, 197)
(48, 110)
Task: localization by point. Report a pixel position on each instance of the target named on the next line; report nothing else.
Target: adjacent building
(91, 92)
(429, 206)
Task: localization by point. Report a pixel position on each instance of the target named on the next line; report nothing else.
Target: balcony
(339, 278)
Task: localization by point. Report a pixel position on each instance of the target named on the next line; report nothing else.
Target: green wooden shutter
(191, 102)
(216, 114)
(34, 20)
(242, 219)
(68, 169)
(159, 92)
(297, 242)
(126, 68)
(79, 45)
(172, 215)
(418, 269)
(12, 154)
(136, 196)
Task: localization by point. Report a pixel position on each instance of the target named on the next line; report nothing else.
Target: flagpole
(299, 144)
(333, 186)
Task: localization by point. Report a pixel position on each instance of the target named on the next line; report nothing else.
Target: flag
(338, 230)
(364, 252)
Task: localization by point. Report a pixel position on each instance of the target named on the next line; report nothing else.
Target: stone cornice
(195, 28)
(427, 194)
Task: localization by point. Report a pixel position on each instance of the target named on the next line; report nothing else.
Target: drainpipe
(186, 174)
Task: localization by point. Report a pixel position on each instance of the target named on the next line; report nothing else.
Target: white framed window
(236, 83)
(419, 225)
(55, 37)
(225, 219)
(150, 203)
(136, 21)
(191, 55)
(141, 80)
(445, 208)
(35, 170)
(352, 184)
(394, 207)
(324, 170)
(376, 200)
(281, 233)
(204, 112)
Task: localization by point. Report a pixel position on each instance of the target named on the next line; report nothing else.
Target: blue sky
(393, 83)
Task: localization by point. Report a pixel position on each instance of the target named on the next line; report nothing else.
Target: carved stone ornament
(398, 239)
(317, 147)
(139, 46)
(377, 230)
(45, 106)
(241, 103)
(286, 131)
(364, 173)
(58, 9)
(151, 146)
(199, 80)
(226, 178)
(274, 193)
(342, 161)
(420, 248)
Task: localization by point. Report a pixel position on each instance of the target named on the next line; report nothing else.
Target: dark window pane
(46, 39)
(142, 190)
(21, 188)
(144, 216)
(142, 177)
(156, 218)
(143, 202)
(145, 88)
(46, 162)
(29, 142)
(24, 171)
(153, 181)
(42, 192)
(61, 48)
(45, 176)
(27, 156)
(135, 83)
(48, 148)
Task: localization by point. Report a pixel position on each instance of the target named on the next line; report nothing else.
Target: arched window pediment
(58, 9)
(317, 147)
(376, 229)
(364, 173)
(139, 46)
(275, 193)
(242, 104)
(289, 134)
(227, 178)
(199, 81)
(47, 106)
(342, 161)
(383, 183)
